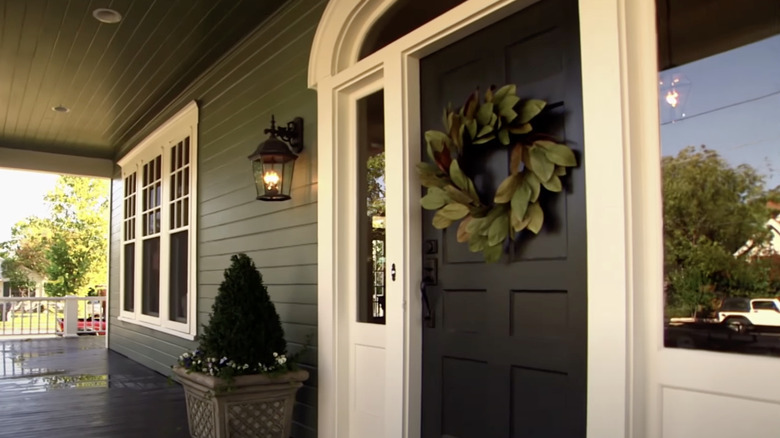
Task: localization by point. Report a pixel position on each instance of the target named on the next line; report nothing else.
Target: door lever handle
(427, 312)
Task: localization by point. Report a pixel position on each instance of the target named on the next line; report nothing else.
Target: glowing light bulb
(271, 180)
(672, 98)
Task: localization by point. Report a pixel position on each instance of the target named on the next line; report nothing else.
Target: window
(719, 100)
(401, 18)
(157, 275)
(764, 305)
(371, 228)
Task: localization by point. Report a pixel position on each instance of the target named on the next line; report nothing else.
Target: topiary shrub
(244, 334)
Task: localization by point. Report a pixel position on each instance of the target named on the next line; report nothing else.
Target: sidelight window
(719, 101)
(371, 209)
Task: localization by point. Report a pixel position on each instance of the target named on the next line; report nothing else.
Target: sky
(22, 195)
(731, 103)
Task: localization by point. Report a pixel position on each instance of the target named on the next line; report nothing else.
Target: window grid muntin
(129, 224)
(152, 197)
(179, 208)
(129, 207)
(178, 222)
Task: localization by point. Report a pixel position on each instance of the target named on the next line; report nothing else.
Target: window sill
(159, 328)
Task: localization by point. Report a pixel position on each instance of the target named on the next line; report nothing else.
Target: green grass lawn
(31, 323)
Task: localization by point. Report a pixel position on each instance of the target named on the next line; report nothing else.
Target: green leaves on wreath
(435, 199)
(439, 148)
(463, 182)
(536, 162)
(449, 214)
(485, 234)
(522, 188)
(560, 154)
(431, 176)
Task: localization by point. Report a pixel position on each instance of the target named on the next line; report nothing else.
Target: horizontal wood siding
(152, 348)
(264, 75)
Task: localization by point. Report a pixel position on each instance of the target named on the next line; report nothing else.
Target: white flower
(185, 355)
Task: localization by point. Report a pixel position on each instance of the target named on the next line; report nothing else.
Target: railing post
(71, 323)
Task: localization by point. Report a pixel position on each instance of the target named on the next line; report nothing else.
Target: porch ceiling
(113, 78)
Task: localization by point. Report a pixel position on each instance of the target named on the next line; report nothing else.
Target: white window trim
(181, 125)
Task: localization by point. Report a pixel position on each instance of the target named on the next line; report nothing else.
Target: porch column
(71, 323)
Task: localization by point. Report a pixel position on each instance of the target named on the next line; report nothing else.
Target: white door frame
(620, 126)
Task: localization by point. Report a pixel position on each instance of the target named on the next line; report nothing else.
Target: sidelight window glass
(719, 102)
(371, 208)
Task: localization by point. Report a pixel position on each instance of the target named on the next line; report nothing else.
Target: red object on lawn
(88, 326)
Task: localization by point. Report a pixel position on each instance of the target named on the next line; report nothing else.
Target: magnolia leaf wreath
(537, 160)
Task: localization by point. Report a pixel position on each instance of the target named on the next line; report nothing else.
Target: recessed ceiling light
(105, 15)
(60, 109)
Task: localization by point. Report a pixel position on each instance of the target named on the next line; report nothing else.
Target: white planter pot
(255, 406)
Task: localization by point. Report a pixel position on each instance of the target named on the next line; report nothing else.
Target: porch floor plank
(77, 388)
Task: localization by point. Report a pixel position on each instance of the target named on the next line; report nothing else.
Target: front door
(506, 353)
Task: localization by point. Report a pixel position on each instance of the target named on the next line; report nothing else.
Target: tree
(376, 185)
(24, 256)
(78, 249)
(70, 246)
(711, 210)
(17, 276)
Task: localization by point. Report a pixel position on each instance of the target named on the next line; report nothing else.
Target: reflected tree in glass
(716, 240)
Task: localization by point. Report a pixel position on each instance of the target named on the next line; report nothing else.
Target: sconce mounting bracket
(292, 133)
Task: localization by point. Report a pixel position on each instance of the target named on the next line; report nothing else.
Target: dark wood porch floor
(77, 388)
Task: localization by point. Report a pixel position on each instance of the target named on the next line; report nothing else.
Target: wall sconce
(274, 160)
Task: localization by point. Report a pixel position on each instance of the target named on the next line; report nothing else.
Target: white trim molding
(340, 34)
(179, 124)
(56, 163)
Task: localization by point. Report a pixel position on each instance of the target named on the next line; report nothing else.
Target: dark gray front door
(507, 354)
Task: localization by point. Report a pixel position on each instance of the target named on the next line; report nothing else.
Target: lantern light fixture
(273, 161)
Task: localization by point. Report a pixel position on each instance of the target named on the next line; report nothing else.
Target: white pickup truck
(740, 314)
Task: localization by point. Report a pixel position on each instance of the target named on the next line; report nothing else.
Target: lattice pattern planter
(257, 406)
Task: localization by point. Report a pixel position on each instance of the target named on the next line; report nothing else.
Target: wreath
(537, 160)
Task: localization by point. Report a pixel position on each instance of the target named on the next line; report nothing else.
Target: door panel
(507, 354)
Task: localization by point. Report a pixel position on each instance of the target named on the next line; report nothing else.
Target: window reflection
(371, 211)
(720, 144)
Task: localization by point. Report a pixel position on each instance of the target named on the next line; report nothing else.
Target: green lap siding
(264, 74)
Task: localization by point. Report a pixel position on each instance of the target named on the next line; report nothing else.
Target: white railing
(66, 316)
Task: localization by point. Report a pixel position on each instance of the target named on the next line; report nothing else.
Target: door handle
(427, 312)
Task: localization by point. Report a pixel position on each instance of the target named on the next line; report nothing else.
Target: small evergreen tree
(244, 326)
